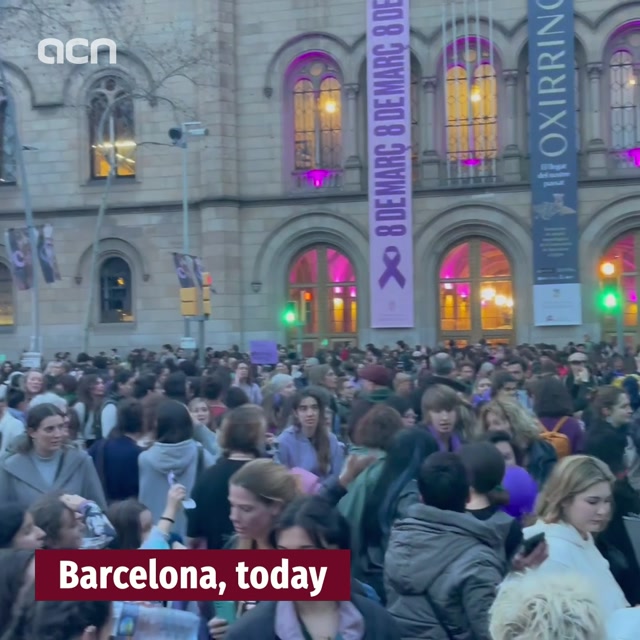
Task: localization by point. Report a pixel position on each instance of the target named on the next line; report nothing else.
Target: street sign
(188, 343)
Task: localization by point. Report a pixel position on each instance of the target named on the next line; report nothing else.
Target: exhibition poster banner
(554, 163)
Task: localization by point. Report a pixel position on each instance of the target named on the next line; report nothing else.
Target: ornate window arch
(476, 293)
(7, 307)
(323, 285)
(116, 291)
(111, 93)
(622, 58)
(7, 142)
(470, 96)
(314, 86)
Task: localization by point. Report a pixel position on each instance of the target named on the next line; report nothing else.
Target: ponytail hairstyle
(485, 469)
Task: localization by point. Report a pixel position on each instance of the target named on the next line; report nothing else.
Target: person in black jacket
(308, 523)
(608, 440)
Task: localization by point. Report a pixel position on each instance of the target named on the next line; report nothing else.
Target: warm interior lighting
(120, 282)
(488, 294)
(120, 144)
(448, 286)
(475, 94)
(633, 81)
(330, 107)
(607, 268)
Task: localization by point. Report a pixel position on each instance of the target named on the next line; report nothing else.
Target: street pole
(300, 325)
(185, 210)
(95, 249)
(620, 314)
(36, 342)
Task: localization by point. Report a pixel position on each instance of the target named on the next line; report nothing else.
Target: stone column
(511, 156)
(430, 170)
(597, 160)
(353, 164)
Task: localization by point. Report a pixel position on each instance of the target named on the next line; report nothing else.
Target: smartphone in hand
(531, 544)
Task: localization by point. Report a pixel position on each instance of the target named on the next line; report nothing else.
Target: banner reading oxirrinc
(390, 170)
(554, 164)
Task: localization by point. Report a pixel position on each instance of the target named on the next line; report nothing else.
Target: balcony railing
(464, 169)
(314, 180)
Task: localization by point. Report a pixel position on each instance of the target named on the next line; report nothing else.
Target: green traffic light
(610, 301)
(289, 317)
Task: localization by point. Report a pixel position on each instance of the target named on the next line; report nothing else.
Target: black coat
(259, 622)
(608, 444)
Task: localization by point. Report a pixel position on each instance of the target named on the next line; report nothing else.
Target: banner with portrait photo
(20, 257)
(47, 254)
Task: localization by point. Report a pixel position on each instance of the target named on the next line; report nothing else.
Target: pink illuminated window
(322, 282)
(476, 292)
(316, 90)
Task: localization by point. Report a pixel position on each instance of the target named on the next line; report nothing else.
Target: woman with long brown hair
(308, 444)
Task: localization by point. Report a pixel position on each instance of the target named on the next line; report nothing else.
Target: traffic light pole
(299, 326)
(620, 316)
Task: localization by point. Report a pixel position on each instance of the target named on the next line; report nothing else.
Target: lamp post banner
(557, 297)
(390, 164)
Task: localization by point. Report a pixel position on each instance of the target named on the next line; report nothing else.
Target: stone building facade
(254, 215)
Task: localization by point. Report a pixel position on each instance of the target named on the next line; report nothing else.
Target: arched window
(116, 294)
(316, 91)
(624, 253)
(6, 297)
(7, 143)
(476, 293)
(623, 54)
(322, 283)
(116, 143)
(471, 111)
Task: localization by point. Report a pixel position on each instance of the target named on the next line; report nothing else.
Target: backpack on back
(558, 440)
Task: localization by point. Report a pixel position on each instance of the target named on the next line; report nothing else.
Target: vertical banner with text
(390, 164)
(557, 299)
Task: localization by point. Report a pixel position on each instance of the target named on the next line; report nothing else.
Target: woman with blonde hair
(575, 505)
(535, 607)
(507, 415)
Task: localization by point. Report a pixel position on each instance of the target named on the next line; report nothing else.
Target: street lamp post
(179, 136)
(36, 341)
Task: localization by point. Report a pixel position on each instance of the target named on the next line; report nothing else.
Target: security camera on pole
(179, 137)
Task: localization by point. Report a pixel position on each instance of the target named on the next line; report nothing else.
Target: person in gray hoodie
(443, 566)
(174, 458)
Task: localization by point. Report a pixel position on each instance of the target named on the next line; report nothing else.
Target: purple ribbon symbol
(391, 259)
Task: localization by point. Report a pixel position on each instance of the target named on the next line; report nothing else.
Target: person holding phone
(575, 505)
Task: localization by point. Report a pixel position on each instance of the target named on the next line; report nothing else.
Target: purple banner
(390, 165)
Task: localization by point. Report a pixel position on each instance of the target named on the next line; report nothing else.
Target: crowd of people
(485, 493)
